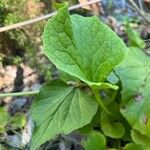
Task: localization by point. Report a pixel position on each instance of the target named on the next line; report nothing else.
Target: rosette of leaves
(85, 49)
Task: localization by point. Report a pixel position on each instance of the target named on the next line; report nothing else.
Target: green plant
(134, 38)
(102, 91)
(8, 122)
(83, 48)
(86, 49)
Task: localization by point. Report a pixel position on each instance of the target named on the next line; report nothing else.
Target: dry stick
(139, 11)
(37, 19)
(141, 5)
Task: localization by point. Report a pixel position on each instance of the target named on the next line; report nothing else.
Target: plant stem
(99, 100)
(119, 144)
(28, 93)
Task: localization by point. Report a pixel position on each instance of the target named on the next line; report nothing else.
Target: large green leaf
(82, 46)
(95, 141)
(134, 73)
(60, 109)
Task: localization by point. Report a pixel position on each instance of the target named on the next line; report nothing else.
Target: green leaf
(111, 126)
(67, 77)
(59, 5)
(2, 129)
(95, 141)
(60, 109)
(133, 146)
(127, 135)
(134, 73)
(4, 119)
(86, 129)
(134, 37)
(2, 147)
(140, 139)
(4, 116)
(18, 120)
(83, 47)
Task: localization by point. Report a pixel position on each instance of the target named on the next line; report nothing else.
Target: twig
(141, 12)
(37, 19)
(141, 5)
(147, 40)
(28, 93)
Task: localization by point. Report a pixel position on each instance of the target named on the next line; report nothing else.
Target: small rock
(14, 140)
(27, 132)
(36, 86)
(21, 140)
(18, 105)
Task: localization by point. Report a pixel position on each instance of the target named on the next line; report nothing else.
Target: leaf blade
(62, 110)
(134, 73)
(95, 141)
(82, 47)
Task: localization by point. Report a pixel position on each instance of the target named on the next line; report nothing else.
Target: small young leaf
(60, 109)
(2, 147)
(95, 141)
(134, 38)
(110, 127)
(140, 139)
(4, 116)
(82, 47)
(134, 73)
(133, 146)
(18, 120)
(2, 129)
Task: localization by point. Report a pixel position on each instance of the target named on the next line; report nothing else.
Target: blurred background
(23, 67)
